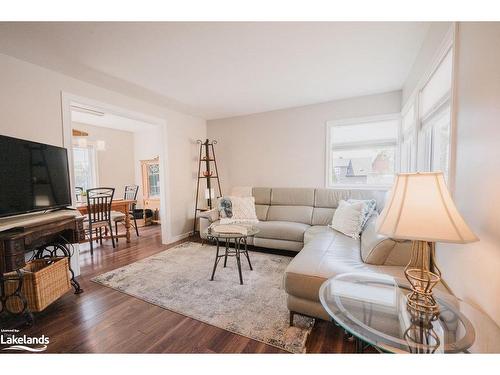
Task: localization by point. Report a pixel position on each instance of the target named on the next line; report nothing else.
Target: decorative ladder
(208, 152)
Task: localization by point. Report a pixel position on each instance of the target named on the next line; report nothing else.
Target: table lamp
(420, 209)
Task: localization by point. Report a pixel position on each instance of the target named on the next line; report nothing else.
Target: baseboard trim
(178, 237)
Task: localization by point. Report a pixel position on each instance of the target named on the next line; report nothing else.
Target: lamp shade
(420, 208)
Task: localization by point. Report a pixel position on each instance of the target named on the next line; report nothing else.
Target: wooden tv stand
(45, 235)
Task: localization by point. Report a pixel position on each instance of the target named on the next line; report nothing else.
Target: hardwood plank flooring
(103, 320)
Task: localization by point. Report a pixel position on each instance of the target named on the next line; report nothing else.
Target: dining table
(120, 205)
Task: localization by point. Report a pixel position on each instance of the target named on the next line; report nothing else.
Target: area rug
(178, 279)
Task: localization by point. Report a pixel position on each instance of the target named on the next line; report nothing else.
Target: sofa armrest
(381, 250)
(212, 215)
(204, 224)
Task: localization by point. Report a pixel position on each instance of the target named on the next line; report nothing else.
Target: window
(154, 180)
(435, 119)
(435, 140)
(84, 167)
(362, 152)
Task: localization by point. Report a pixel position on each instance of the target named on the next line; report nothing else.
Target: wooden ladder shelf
(206, 158)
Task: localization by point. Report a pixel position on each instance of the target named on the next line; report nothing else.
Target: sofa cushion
(299, 214)
(261, 210)
(272, 243)
(327, 254)
(262, 195)
(282, 230)
(324, 256)
(330, 198)
(322, 215)
(292, 197)
(317, 230)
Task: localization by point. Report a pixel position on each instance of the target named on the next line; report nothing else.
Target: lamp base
(423, 274)
(420, 335)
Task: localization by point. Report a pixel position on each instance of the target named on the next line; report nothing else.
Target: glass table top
(251, 231)
(372, 307)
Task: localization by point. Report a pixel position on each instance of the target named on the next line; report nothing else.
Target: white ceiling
(219, 69)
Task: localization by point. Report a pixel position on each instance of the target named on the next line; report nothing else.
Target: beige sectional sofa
(297, 219)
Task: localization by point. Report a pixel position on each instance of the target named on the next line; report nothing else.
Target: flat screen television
(33, 177)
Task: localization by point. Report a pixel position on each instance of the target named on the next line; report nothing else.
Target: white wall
(147, 145)
(115, 165)
(472, 271)
(30, 108)
(286, 147)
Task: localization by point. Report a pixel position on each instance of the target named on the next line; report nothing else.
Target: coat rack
(206, 158)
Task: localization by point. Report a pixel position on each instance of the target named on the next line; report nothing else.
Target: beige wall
(115, 165)
(472, 271)
(30, 108)
(286, 147)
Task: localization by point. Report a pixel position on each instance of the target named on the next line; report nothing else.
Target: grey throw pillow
(225, 208)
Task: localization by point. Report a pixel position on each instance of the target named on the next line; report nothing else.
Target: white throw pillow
(368, 210)
(348, 218)
(242, 211)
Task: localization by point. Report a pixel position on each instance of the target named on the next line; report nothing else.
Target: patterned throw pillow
(225, 208)
(369, 208)
(237, 210)
(348, 218)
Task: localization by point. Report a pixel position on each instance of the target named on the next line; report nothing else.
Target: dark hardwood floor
(103, 320)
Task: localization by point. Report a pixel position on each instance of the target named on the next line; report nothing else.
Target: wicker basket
(45, 280)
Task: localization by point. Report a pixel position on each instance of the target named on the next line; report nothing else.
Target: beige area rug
(178, 279)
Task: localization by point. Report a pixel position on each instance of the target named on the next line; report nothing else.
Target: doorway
(107, 146)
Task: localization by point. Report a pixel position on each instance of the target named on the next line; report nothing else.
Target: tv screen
(34, 177)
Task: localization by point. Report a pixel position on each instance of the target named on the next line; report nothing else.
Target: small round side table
(372, 308)
(238, 239)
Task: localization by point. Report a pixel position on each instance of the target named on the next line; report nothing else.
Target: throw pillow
(237, 210)
(225, 208)
(368, 209)
(348, 218)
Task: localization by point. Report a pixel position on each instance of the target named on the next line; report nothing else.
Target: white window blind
(407, 146)
(435, 119)
(438, 87)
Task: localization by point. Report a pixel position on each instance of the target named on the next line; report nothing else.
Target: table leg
(18, 293)
(246, 253)
(216, 261)
(127, 223)
(51, 250)
(227, 249)
(237, 248)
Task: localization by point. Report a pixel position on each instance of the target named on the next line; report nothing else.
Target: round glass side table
(240, 247)
(372, 308)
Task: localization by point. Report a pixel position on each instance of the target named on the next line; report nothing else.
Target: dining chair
(119, 217)
(99, 213)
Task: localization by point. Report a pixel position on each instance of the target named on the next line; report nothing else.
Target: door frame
(67, 99)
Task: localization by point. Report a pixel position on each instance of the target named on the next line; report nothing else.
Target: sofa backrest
(307, 205)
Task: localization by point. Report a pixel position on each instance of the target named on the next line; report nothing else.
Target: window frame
(355, 121)
(422, 152)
